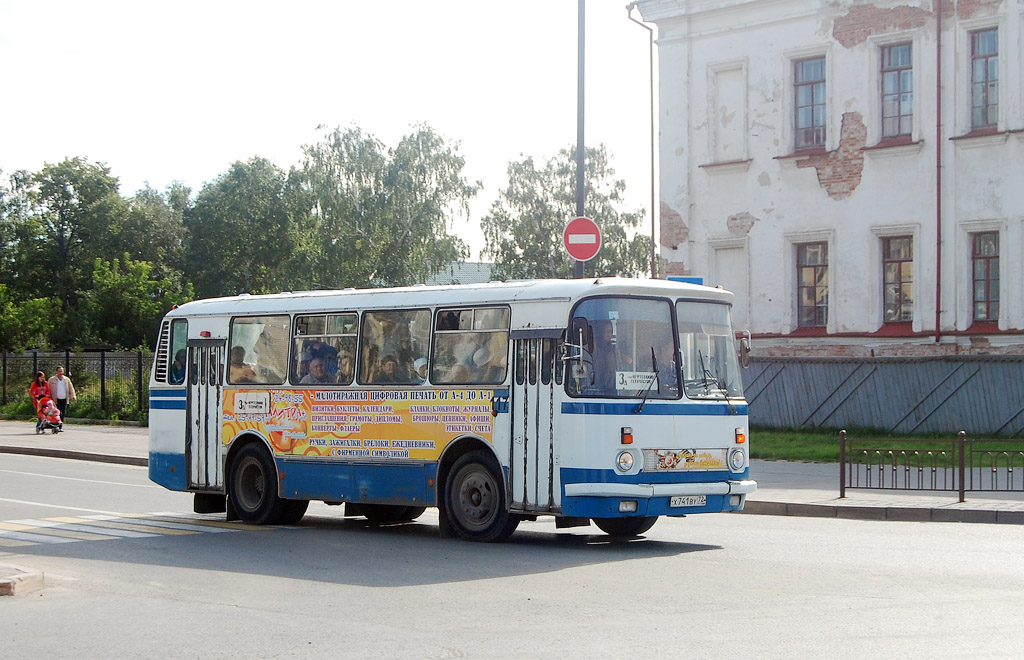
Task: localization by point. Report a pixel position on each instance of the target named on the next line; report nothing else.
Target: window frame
(902, 114)
(800, 287)
(232, 344)
(295, 378)
(436, 377)
(987, 300)
(899, 302)
(983, 88)
(817, 131)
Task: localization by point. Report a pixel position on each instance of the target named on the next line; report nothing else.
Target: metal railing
(960, 465)
(114, 382)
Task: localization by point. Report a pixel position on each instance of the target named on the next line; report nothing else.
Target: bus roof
(550, 290)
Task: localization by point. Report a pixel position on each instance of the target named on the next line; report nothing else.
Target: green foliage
(523, 229)
(368, 216)
(239, 237)
(24, 324)
(127, 301)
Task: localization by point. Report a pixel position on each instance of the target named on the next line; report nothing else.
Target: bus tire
(414, 512)
(253, 487)
(475, 499)
(625, 526)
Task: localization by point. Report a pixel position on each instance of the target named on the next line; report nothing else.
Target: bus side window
(177, 351)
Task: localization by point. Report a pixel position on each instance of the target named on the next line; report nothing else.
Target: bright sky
(163, 91)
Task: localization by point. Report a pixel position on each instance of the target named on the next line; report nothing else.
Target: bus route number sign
(252, 403)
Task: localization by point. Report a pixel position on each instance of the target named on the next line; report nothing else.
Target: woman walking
(36, 391)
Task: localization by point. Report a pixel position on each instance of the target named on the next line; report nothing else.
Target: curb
(19, 582)
(77, 455)
(901, 514)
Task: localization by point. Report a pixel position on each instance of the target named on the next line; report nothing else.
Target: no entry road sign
(582, 239)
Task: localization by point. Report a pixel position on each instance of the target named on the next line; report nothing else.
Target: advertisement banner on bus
(359, 424)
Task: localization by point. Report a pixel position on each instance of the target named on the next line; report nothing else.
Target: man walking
(62, 391)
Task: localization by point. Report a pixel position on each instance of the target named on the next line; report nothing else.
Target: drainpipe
(650, 35)
(938, 169)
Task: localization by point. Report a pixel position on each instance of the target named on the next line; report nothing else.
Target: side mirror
(745, 350)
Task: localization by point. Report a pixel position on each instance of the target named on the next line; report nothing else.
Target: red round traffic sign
(582, 239)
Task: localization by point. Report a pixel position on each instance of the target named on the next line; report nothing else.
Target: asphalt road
(136, 574)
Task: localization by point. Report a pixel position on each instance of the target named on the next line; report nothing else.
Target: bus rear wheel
(475, 499)
(253, 489)
(625, 526)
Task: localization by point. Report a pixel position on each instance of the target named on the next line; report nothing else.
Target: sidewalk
(785, 489)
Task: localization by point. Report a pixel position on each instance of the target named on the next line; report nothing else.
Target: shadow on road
(356, 552)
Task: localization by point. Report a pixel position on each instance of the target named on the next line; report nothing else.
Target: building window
(985, 263)
(897, 91)
(812, 284)
(898, 276)
(809, 83)
(984, 78)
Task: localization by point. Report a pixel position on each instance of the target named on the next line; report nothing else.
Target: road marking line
(155, 522)
(86, 528)
(91, 481)
(36, 538)
(113, 524)
(59, 506)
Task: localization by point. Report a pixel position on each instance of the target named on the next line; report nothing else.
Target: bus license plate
(688, 500)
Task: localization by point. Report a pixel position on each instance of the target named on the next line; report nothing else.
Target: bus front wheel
(253, 488)
(625, 526)
(475, 499)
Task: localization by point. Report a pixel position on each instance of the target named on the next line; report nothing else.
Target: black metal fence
(960, 465)
(110, 384)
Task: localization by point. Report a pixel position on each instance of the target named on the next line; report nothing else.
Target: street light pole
(580, 190)
(650, 54)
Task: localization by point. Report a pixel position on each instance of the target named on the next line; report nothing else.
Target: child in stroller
(49, 416)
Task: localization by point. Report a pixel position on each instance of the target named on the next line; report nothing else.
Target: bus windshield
(711, 367)
(624, 349)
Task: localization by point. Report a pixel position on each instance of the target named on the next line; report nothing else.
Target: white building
(853, 171)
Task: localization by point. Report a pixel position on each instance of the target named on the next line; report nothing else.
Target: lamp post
(650, 50)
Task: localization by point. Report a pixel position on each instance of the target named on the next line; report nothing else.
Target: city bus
(609, 400)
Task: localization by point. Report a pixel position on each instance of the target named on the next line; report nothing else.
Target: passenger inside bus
(317, 373)
(387, 373)
(240, 371)
(605, 358)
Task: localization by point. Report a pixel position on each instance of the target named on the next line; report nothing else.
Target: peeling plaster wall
(726, 63)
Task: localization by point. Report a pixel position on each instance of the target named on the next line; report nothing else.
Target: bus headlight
(736, 460)
(624, 461)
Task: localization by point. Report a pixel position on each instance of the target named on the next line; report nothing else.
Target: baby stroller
(49, 417)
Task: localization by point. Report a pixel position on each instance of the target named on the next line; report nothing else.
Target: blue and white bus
(612, 401)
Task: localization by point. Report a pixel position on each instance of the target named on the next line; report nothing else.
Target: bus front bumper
(611, 500)
(644, 491)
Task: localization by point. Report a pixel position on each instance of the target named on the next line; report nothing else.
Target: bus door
(532, 454)
(203, 410)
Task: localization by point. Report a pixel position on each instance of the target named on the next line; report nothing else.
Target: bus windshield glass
(711, 367)
(624, 349)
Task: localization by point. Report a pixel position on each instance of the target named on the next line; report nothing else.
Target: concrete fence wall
(980, 394)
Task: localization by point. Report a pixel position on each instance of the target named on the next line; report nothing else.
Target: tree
(75, 205)
(24, 324)
(127, 301)
(523, 229)
(239, 232)
(372, 216)
(153, 229)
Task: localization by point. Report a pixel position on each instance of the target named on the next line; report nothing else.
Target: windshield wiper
(654, 362)
(706, 373)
